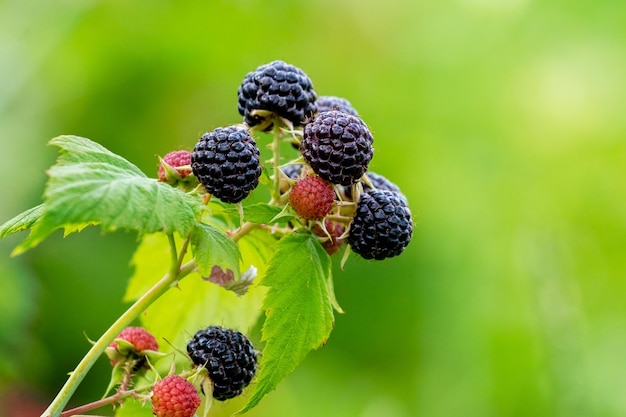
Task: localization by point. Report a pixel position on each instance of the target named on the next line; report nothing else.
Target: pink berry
(175, 159)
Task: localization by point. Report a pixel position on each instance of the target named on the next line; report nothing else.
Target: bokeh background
(502, 121)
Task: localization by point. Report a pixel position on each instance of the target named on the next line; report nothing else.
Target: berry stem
(176, 273)
(245, 228)
(122, 392)
(276, 162)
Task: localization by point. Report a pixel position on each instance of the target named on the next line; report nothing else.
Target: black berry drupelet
(228, 356)
(338, 147)
(292, 171)
(280, 88)
(328, 103)
(226, 162)
(382, 226)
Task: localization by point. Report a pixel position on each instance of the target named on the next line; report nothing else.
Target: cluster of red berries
(329, 186)
(227, 355)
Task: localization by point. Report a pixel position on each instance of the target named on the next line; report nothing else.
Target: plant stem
(119, 395)
(245, 228)
(276, 161)
(64, 395)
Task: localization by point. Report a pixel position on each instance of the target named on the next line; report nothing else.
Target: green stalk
(175, 273)
(276, 162)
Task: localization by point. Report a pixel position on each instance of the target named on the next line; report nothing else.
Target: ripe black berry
(280, 88)
(226, 162)
(292, 171)
(382, 226)
(227, 355)
(327, 103)
(338, 147)
(379, 182)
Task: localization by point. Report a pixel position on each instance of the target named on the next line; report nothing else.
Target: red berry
(312, 197)
(175, 159)
(332, 240)
(139, 337)
(174, 396)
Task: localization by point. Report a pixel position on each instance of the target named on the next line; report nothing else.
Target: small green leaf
(298, 310)
(262, 213)
(211, 247)
(22, 221)
(91, 185)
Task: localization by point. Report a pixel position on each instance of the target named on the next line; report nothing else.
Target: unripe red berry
(175, 159)
(139, 338)
(174, 396)
(312, 197)
(331, 241)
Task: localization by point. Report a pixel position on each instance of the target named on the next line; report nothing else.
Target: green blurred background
(501, 120)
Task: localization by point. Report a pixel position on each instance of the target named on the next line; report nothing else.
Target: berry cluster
(328, 185)
(227, 355)
(326, 191)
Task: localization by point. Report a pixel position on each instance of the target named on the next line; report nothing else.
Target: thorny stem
(122, 392)
(245, 228)
(175, 274)
(112, 399)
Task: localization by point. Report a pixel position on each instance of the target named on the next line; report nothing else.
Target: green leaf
(211, 247)
(133, 407)
(262, 213)
(22, 221)
(150, 261)
(195, 303)
(298, 310)
(91, 185)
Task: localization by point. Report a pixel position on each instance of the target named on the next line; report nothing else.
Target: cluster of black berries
(331, 173)
(337, 147)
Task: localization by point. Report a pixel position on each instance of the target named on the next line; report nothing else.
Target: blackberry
(280, 88)
(228, 356)
(338, 147)
(382, 226)
(226, 162)
(379, 182)
(327, 103)
(292, 171)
